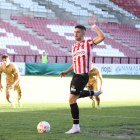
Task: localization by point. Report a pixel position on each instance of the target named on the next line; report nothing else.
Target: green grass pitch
(45, 98)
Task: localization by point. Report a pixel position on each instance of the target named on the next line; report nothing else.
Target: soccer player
(12, 79)
(94, 76)
(82, 60)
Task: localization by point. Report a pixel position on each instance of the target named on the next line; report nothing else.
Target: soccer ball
(43, 127)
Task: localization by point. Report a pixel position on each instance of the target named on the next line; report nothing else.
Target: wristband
(93, 26)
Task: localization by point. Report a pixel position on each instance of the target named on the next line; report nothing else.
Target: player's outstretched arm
(63, 73)
(100, 36)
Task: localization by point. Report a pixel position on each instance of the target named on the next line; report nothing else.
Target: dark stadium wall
(46, 69)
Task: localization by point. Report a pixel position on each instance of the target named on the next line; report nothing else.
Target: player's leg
(75, 114)
(92, 92)
(19, 98)
(95, 85)
(19, 94)
(9, 99)
(90, 87)
(98, 102)
(74, 90)
(87, 93)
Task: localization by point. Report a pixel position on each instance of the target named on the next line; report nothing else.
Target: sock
(76, 126)
(86, 93)
(75, 113)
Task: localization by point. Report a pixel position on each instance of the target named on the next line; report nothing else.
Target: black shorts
(78, 83)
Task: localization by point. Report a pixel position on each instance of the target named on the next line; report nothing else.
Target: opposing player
(94, 76)
(82, 60)
(12, 79)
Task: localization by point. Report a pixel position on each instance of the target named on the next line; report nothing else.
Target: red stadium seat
(124, 61)
(122, 32)
(129, 6)
(98, 60)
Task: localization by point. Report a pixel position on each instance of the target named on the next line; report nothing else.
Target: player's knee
(72, 100)
(98, 98)
(91, 97)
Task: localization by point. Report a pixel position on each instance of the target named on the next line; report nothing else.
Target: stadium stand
(111, 4)
(33, 6)
(14, 41)
(55, 32)
(132, 6)
(63, 34)
(7, 5)
(82, 4)
(122, 40)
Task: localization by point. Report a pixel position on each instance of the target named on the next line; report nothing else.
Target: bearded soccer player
(94, 76)
(12, 79)
(82, 60)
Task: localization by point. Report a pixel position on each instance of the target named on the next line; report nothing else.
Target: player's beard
(78, 38)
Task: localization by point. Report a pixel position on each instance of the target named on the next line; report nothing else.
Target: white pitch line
(123, 109)
(81, 115)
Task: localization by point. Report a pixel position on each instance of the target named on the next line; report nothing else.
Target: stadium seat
(61, 32)
(130, 6)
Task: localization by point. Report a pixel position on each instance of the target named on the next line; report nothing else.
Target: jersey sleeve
(90, 41)
(15, 69)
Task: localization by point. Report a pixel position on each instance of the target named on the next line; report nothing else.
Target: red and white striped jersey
(82, 56)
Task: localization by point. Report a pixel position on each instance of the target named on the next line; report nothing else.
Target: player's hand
(10, 86)
(92, 20)
(101, 89)
(63, 73)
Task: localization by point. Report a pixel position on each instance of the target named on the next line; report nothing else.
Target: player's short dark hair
(5, 56)
(81, 27)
